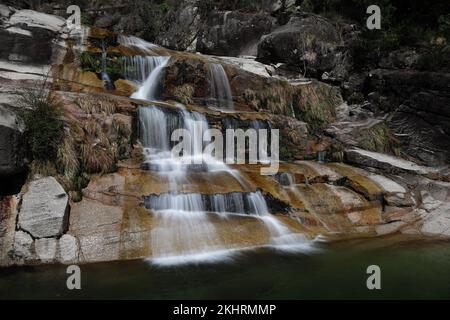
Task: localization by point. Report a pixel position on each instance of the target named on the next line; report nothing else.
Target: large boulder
(12, 148)
(45, 211)
(307, 43)
(233, 33)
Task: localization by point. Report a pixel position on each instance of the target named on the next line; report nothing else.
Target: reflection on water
(410, 269)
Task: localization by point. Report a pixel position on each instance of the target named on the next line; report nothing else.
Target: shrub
(44, 127)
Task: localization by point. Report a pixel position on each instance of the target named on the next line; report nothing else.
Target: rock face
(305, 42)
(12, 153)
(422, 114)
(44, 211)
(27, 36)
(385, 162)
(233, 33)
(37, 20)
(182, 32)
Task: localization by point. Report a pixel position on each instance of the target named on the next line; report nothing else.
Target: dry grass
(379, 138)
(97, 158)
(68, 157)
(184, 93)
(101, 105)
(43, 168)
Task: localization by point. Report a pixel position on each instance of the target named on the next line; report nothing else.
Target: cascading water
(131, 41)
(147, 71)
(184, 229)
(220, 91)
(105, 76)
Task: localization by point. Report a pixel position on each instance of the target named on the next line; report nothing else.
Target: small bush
(44, 127)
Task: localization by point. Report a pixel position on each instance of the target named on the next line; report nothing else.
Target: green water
(409, 269)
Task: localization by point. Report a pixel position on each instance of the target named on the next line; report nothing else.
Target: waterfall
(131, 41)
(105, 76)
(220, 91)
(154, 132)
(147, 71)
(138, 68)
(183, 229)
(185, 224)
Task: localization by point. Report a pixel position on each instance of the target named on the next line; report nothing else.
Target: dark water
(409, 269)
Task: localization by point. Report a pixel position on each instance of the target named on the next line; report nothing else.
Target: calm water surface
(410, 269)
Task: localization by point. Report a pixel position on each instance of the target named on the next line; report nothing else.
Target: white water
(131, 41)
(220, 90)
(154, 66)
(183, 230)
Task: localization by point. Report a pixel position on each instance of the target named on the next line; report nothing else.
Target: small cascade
(286, 179)
(321, 156)
(151, 68)
(220, 90)
(105, 76)
(131, 41)
(184, 229)
(138, 68)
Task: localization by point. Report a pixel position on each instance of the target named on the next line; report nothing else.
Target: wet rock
(233, 33)
(44, 212)
(394, 194)
(389, 228)
(12, 147)
(385, 162)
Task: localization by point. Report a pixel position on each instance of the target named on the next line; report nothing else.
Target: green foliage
(44, 127)
(315, 115)
(92, 61)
